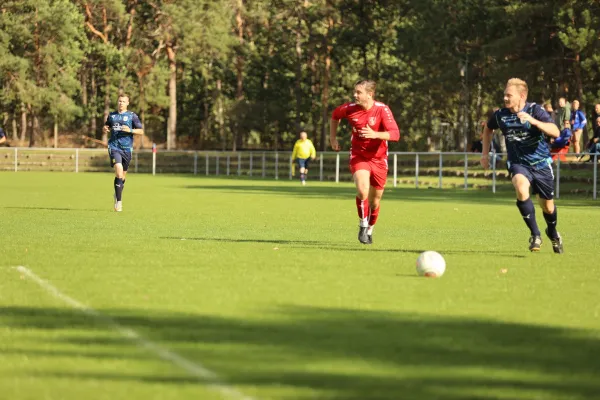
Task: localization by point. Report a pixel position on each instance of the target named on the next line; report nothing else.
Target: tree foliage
(238, 74)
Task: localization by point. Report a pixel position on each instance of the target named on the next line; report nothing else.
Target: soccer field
(230, 289)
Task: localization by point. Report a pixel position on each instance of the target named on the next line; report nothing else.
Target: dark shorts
(541, 180)
(118, 156)
(303, 162)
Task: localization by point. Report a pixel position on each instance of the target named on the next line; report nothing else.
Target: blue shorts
(303, 162)
(119, 156)
(541, 180)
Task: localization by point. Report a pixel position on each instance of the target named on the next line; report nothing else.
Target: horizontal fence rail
(414, 169)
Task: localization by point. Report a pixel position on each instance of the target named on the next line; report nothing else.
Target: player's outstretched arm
(334, 123)
(486, 139)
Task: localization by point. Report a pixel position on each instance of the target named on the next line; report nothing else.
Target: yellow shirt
(304, 149)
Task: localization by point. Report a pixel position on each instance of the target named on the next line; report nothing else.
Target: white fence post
(251, 162)
(493, 172)
(337, 168)
(76, 160)
(466, 171)
(195, 163)
(558, 178)
(440, 175)
(321, 167)
(291, 166)
(228, 160)
(16, 162)
(239, 166)
(276, 166)
(395, 169)
(153, 163)
(207, 162)
(217, 165)
(594, 186)
(135, 163)
(264, 160)
(416, 170)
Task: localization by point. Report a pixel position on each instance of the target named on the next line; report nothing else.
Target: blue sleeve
(135, 121)
(2, 134)
(540, 114)
(563, 140)
(107, 123)
(493, 122)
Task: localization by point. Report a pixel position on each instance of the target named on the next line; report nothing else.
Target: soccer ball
(431, 264)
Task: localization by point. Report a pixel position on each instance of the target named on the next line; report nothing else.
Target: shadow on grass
(57, 209)
(321, 245)
(337, 353)
(347, 191)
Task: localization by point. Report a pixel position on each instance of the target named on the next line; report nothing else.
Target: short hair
(124, 95)
(520, 84)
(370, 86)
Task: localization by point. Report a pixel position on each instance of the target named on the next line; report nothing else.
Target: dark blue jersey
(2, 133)
(119, 139)
(525, 144)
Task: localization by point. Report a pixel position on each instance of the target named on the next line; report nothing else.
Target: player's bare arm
(549, 128)
(368, 133)
(485, 144)
(333, 134)
(132, 131)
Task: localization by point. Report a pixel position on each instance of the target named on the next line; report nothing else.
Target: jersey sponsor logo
(125, 118)
(372, 121)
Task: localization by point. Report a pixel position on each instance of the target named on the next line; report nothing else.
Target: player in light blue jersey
(529, 161)
(122, 125)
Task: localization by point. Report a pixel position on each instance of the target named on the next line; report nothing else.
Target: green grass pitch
(225, 289)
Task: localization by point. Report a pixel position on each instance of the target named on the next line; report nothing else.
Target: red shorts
(378, 167)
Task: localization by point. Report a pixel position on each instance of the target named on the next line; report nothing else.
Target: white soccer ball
(431, 264)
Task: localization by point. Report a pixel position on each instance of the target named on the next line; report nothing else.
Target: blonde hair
(520, 84)
(370, 86)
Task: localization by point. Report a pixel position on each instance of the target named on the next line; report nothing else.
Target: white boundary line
(195, 369)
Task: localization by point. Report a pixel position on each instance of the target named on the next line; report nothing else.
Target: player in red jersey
(372, 126)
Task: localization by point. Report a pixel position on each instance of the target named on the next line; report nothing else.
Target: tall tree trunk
(93, 103)
(106, 100)
(172, 121)
(239, 67)
(325, 92)
(55, 132)
(220, 119)
(23, 124)
(15, 135)
(298, 85)
(34, 129)
(142, 106)
(84, 94)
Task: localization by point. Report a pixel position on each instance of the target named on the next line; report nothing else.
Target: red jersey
(380, 119)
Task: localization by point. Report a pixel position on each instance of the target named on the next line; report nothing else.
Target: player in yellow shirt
(304, 151)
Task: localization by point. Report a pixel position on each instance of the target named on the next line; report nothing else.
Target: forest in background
(244, 74)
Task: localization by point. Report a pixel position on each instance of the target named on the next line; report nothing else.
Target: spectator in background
(2, 136)
(578, 122)
(550, 111)
(593, 146)
(304, 151)
(560, 146)
(595, 114)
(563, 113)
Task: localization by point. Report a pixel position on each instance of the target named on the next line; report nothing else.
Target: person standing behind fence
(122, 125)
(529, 163)
(563, 113)
(304, 151)
(593, 146)
(578, 122)
(372, 125)
(551, 113)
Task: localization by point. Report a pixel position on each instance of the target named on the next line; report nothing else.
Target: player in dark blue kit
(122, 125)
(529, 162)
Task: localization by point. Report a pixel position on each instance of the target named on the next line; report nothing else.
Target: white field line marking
(193, 368)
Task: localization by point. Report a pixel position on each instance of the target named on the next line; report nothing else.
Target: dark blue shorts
(541, 180)
(303, 162)
(118, 156)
